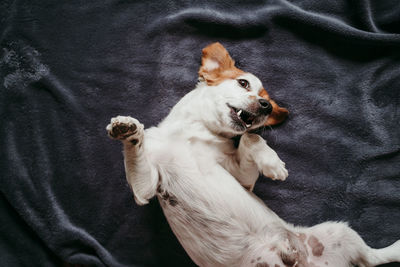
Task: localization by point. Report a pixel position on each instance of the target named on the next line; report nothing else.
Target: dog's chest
(207, 154)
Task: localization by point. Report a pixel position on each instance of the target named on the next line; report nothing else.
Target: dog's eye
(244, 83)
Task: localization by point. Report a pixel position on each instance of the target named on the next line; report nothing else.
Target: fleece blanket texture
(67, 67)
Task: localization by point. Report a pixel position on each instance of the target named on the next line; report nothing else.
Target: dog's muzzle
(245, 119)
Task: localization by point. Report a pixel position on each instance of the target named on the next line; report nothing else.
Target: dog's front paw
(274, 168)
(125, 128)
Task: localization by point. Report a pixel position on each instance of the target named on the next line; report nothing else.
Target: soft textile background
(66, 67)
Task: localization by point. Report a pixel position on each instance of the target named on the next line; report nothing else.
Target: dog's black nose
(265, 106)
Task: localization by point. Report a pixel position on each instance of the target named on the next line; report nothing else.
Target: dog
(204, 181)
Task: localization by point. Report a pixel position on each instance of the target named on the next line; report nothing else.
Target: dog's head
(240, 99)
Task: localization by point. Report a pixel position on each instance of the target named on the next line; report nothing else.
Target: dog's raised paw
(276, 171)
(125, 128)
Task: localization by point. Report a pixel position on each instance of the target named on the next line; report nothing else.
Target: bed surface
(67, 67)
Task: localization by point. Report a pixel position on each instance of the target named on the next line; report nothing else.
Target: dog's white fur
(191, 164)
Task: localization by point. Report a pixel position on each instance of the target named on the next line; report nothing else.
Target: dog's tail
(389, 254)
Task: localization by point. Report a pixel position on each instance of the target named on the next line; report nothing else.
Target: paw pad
(122, 128)
(121, 131)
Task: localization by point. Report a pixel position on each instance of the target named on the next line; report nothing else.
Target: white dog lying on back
(204, 182)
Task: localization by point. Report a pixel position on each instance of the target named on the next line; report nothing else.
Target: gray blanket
(67, 67)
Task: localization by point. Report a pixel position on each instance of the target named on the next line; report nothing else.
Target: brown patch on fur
(252, 97)
(262, 264)
(226, 69)
(326, 263)
(316, 246)
(278, 114)
(259, 258)
(277, 265)
(252, 261)
(247, 187)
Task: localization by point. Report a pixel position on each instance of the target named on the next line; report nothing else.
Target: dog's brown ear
(217, 65)
(278, 113)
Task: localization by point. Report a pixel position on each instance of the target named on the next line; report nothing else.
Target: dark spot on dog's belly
(167, 197)
(262, 264)
(173, 201)
(289, 261)
(277, 265)
(296, 254)
(159, 189)
(316, 246)
(337, 245)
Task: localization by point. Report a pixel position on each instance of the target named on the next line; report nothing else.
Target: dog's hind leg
(141, 175)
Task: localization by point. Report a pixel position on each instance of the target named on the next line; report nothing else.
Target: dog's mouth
(242, 117)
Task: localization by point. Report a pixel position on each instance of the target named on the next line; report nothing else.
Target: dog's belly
(211, 214)
(218, 222)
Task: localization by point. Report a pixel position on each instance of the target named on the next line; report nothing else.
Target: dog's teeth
(248, 125)
(239, 112)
